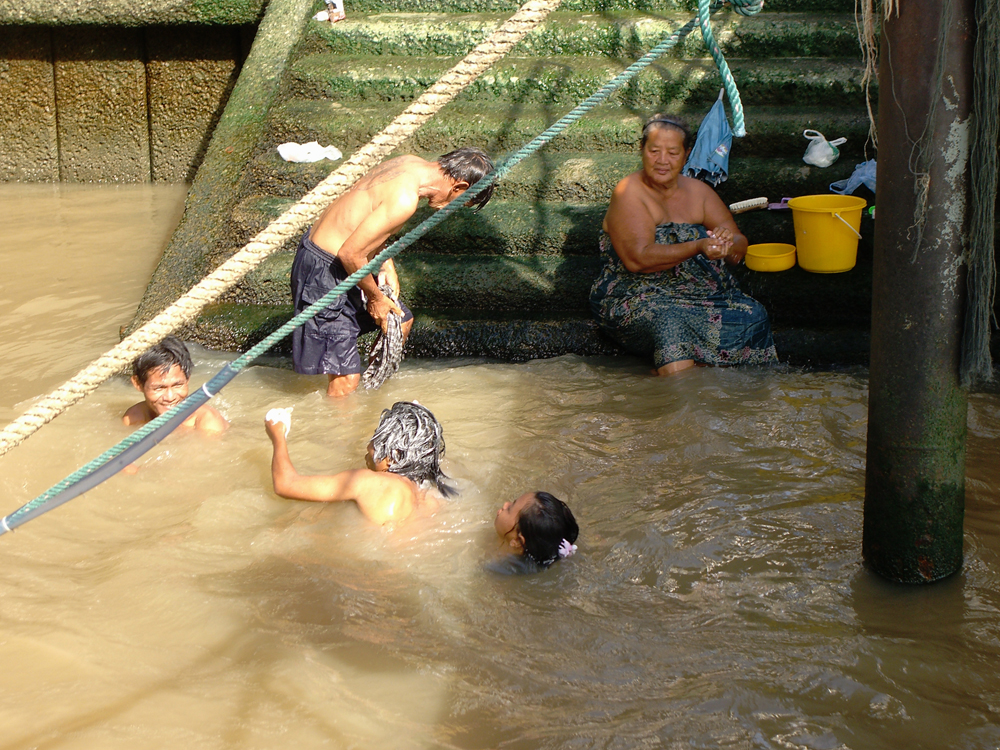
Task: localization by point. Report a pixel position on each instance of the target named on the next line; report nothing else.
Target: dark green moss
(133, 13)
(623, 34)
(569, 80)
(772, 131)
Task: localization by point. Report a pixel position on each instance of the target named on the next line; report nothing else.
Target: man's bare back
(402, 456)
(354, 228)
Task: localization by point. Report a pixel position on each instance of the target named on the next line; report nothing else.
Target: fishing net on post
(984, 138)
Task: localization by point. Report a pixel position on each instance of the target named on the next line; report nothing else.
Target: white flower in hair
(566, 549)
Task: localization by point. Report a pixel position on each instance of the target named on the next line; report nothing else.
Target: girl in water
(538, 528)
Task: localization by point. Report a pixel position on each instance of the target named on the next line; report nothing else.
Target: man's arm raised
(381, 497)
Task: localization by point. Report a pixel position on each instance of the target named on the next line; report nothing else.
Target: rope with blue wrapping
(705, 10)
(152, 433)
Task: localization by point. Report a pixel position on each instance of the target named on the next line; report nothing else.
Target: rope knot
(747, 7)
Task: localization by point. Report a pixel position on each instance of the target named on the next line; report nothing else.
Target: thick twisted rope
(148, 435)
(744, 8)
(285, 227)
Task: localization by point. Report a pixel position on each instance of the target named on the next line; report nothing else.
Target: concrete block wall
(112, 104)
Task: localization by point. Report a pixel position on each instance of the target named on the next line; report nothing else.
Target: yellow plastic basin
(770, 256)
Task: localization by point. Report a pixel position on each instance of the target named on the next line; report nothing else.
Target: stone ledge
(622, 34)
(131, 13)
(559, 80)
(236, 328)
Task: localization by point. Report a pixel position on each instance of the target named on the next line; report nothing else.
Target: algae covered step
(583, 6)
(460, 333)
(518, 338)
(569, 80)
(576, 178)
(623, 34)
(515, 229)
(503, 127)
(441, 282)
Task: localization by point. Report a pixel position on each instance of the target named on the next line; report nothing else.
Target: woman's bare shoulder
(694, 187)
(628, 183)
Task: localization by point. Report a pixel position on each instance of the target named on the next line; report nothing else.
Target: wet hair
(412, 439)
(169, 352)
(469, 165)
(544, 525)
(667, 121)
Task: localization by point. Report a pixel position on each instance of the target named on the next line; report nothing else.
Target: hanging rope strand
(745, 8)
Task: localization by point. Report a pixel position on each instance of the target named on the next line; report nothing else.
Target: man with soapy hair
(349, 233)
(403, 466)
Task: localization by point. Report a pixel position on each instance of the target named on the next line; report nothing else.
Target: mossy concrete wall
(188, 257)
(129, 12)
(89, 104)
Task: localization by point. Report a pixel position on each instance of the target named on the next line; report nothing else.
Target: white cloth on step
(308, 152)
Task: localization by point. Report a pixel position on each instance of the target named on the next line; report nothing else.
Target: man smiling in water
(162, 375)
(403, 461)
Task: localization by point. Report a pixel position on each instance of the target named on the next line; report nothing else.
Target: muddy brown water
(718, 598)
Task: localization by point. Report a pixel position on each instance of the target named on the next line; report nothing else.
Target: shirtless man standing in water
(350, 232)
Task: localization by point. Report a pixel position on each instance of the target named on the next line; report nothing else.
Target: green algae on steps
(584, 6)
(561, 282)
(543, 251)
(606, 129)
(578, 178)
(626, 34)
(236, 328)
(665, 84)
(515, 229)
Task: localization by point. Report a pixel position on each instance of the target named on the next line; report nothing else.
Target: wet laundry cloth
(308, 152)
(694, 310)
(864, 174)
(709, 159)
(328, 343)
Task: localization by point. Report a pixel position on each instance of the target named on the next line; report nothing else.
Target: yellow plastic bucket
(826, 231)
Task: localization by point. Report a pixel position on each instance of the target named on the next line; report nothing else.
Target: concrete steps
(624, 34)
(651, 7)
(512, 282)
(541, 259)
(234, 327)
(566, 80)
(772, 131)
(582, 177)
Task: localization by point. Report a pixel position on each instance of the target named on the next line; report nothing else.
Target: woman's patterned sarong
(694, 310)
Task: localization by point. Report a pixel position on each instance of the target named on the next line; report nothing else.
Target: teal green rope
(743, 7)
(234, 367)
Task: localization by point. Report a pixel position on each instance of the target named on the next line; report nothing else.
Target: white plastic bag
(308, 152)
(820, 152)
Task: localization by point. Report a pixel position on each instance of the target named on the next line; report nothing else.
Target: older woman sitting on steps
(664, 288)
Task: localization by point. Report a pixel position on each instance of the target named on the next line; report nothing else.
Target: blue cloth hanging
(709, 160)
(864, 174)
